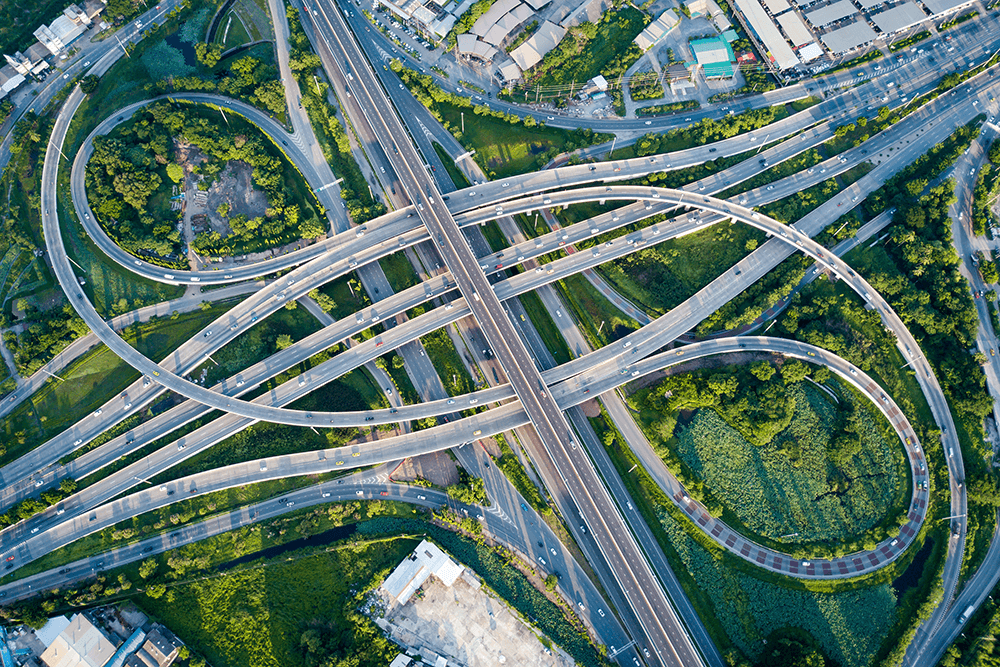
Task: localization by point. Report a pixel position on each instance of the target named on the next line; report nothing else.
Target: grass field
(787, 486)
(91, 381)
(600, 321)
(547, 329)
(741, 605)
(659, 278)
(457, 176)
(398, 271)
(255, 617)
(447, 362)
(257, 343)
(503, 149)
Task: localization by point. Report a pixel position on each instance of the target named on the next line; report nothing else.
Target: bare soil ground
(234, 187)
(467, 624)
(437, 468)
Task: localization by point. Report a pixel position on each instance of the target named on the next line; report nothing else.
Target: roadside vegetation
(987, 185)
(330, 131)
(266, 573)
(708, 130)
(786, 456)
(447, 362)
(505, 144)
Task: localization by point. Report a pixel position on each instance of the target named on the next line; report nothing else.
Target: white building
(426, 560)
(81, 644)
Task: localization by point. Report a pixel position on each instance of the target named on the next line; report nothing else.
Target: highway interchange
(537, 392)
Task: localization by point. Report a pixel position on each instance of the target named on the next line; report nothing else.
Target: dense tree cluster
(124, 173)
(754, 399)
(247, 78)
(47, 331)
(469, 490)
(917, 271)
(986, 184)
(353, 642)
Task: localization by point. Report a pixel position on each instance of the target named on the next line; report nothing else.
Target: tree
(550, 582)
(89, 83)
(283, 341)
(762, 370)
(147, 568)
(207, 54)
(175, 172)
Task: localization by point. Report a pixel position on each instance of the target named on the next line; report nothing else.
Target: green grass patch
(257, 617)
(447, 362)
(457, 177)
(597, 317)
(546, 327)
(398, 271)
(802, 105)
(588, 49)
(658, 278)
(92, 380)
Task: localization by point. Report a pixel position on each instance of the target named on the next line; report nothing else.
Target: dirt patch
(467, 624)
(591, 408)
(234, 190)
(491, 447)
(437, 468)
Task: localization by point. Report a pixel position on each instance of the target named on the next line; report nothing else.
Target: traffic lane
(435, 222)
(78, 522)
(342, 490)
(649, 365)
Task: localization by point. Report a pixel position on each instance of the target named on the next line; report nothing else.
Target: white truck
(966, 614)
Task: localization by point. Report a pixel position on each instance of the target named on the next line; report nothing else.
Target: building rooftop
(715, 56)
(810, 52)
(426, 560)
(534, 49)
(849, 37)
(796, 29)
(899, 17)
(778, 50)
(831, 13)
(80, 644)
(777, 6)
(657, 30)
(938, 7)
